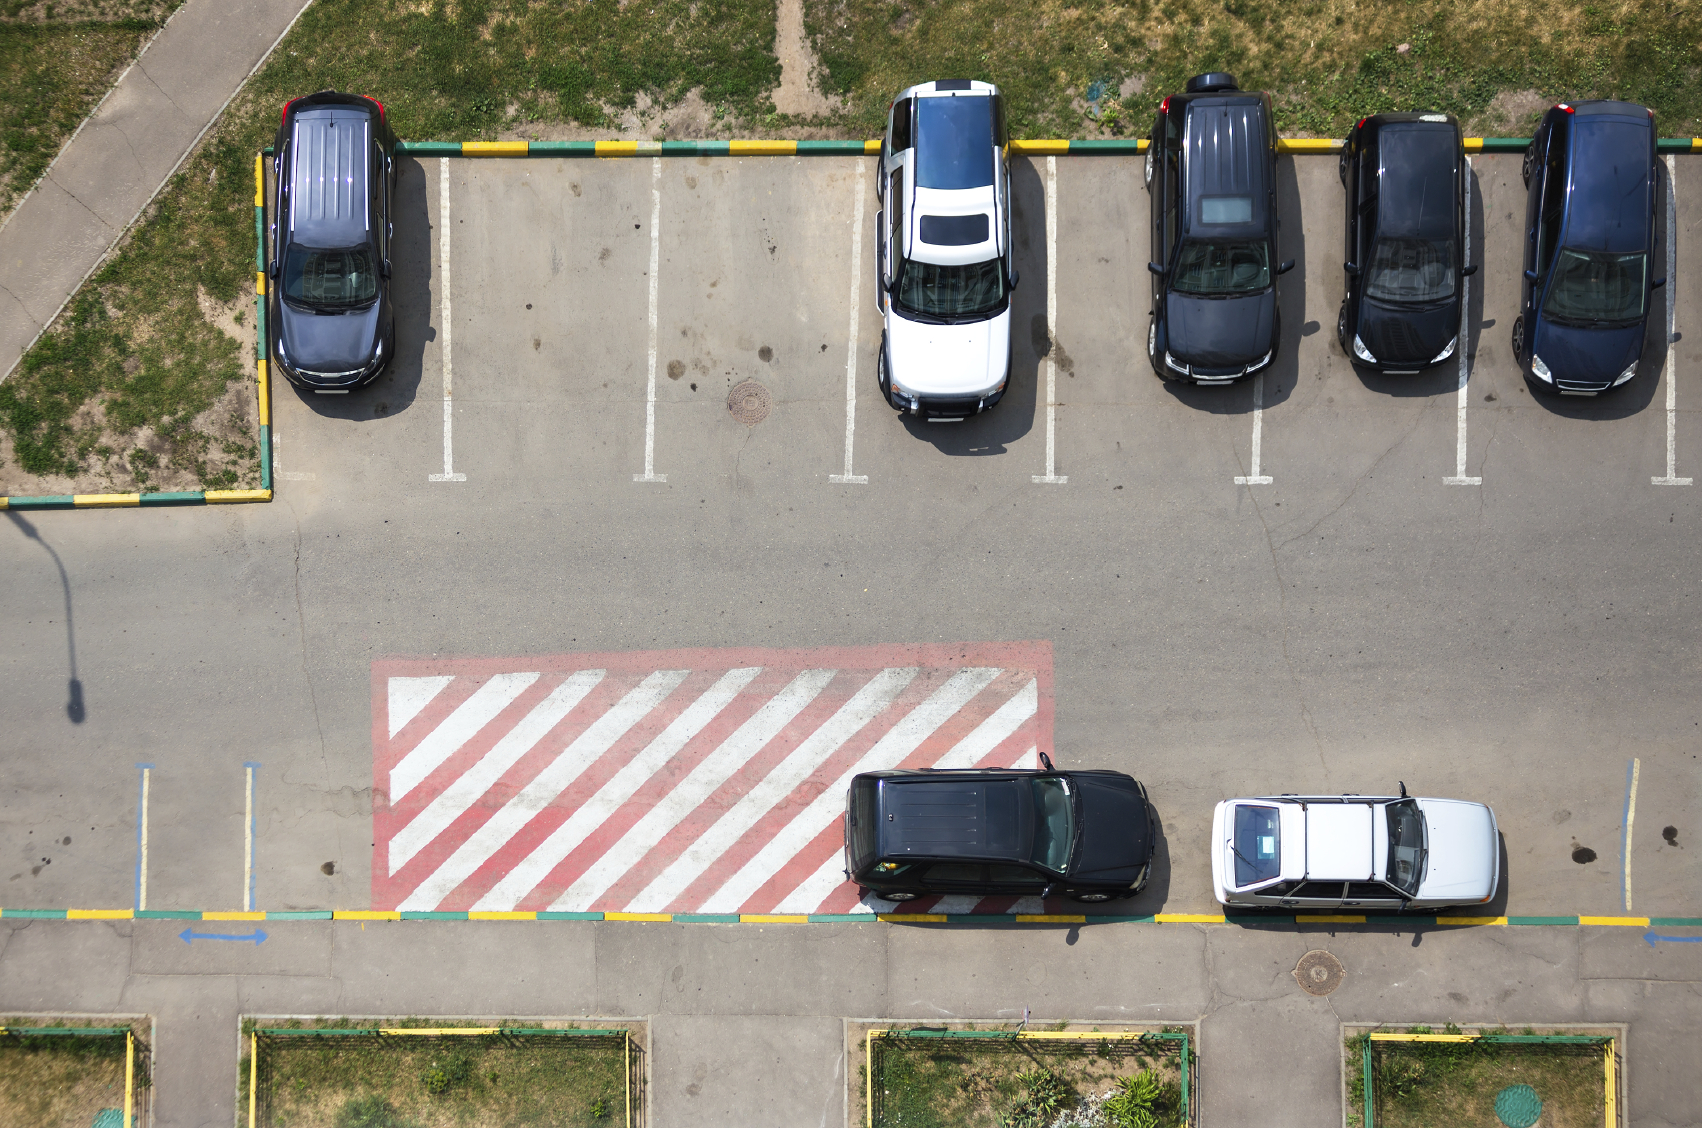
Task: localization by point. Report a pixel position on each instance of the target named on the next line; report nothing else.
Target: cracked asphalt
(1354, 623)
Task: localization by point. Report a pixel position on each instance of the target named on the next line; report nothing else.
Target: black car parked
(1592, 180)
(1085, 834)
(1405, 176)
(1211, 176)
(328, 313)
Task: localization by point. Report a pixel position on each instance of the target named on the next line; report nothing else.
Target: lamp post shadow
(74, 706)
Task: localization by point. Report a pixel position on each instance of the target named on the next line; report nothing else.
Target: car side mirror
(1351, 267)
(384, 265)
(1467, 272)
(1155, 268)
(1016, 276)
(1047, 892)
(1530, 276)
(1285, 266)
(1661, 281)
(272, 269)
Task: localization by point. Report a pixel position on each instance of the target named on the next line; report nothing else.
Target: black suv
(328, 313)
(910, 834)
(1405, 176)
(1211, 175)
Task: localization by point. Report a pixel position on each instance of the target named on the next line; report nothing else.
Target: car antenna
(1403, 788)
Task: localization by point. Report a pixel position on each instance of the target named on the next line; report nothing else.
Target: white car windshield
(1257, 835)
(1406, 846)
(952, 292)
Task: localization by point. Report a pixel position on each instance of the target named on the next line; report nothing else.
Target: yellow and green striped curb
(1393, 919)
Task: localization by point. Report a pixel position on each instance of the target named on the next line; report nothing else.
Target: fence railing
(1608, 1044)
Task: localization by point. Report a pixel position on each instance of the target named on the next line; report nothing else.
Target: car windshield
(318, 277)
(1411, 271)
(1216, 270)
(1255, 844)
(1054, 823)
(1592, 288)
(952, 292)
(1406, 846)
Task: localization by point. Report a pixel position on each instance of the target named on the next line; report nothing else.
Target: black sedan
(1086, 834)
(1405, 176)
(1591, 179)
(1211, 175)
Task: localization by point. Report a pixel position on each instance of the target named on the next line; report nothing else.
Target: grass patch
(56, 63)
(1426, 1084)
(60, 1081)
(467, 1081)
(1004, 1082)
(1326, 62)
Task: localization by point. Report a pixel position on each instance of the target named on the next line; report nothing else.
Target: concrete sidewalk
(124, 152)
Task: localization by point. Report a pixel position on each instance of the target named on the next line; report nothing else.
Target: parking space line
(650, 474)
(286, 475)
(142, 838)
(248, 840)
(1670, 368)
(1051, 477)
(848, 478)
(1255, 478)
(1459, 477)
(1632, 771)
(444, 319)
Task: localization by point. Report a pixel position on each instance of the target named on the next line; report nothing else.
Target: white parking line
(848, 478)
(1255, 478)
(650, 474)
(1669, 371)
(1459, 477)
(1051, 476)
(279, 472)
(445, 321)
(248, 841)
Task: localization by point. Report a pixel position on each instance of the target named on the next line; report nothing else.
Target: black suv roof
(330, 137)
(954, 816)
(1226, 144)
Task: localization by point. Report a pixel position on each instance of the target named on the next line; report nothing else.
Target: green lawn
(59, 1081)
(1446, 1084)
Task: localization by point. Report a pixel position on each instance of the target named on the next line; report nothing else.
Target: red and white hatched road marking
(673, 781)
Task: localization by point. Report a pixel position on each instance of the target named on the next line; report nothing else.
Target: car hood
(1407, 336)
(1463, 851)
(1116, 832)
(1587, 355)
(1220, 332)
(949, 360)
(328, 342)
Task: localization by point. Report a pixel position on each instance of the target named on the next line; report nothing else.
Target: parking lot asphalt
(1522, 635)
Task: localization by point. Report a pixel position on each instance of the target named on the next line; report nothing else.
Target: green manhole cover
(1518, 1106)
(109, 1118)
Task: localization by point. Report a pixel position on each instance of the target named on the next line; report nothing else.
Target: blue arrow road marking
(189, 936)
(1651, 937)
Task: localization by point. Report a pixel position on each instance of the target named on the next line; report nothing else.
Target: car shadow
(411, 296)
(1280, 377)
(1631, 398)
(992, 432)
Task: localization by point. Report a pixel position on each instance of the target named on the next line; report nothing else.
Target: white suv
(1365, 854)
(944, 259)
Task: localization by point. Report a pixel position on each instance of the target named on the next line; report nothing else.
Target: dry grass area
(59, 1082)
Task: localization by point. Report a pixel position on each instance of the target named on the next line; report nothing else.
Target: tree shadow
(75, 709)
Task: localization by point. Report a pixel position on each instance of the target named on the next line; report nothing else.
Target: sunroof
(954, 142)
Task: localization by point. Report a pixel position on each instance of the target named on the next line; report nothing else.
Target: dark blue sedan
(1591, 178)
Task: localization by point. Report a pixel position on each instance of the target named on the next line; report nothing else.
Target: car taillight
(376, 102)
(1164, 106)
(283, 117)
(1361, 124)
(1651, 112)
(1564, 106)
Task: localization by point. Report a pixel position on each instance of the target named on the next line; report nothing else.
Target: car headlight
(899, 389)
(1361, 351)
(1630, 371)
(1152, 339)
(1540, 370)
(1445, 353)
(1261, 362)
(1174, 363)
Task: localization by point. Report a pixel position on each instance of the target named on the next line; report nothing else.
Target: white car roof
(1340, 841)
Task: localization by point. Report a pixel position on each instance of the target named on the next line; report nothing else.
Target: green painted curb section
(46, 501)
(570, 916)
(1676, 922)
(432, 148)
(182, 497)
(166, 914)
(707, 918)
(412, 914)
(33, 914)
(97, 1031)
(840, 918)
(304, 914)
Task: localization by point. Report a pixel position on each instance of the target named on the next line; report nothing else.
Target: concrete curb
(1390, 919)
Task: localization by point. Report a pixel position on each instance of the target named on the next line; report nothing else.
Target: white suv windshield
(951, 292)
(1257, 836)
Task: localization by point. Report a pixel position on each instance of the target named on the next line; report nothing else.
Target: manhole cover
(1318, 972)
(1518, 1106)
(749, 402)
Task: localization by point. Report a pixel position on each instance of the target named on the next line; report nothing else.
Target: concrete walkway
(123, 154)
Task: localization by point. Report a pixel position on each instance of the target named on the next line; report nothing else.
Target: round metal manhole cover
(1518, 1106)
(749, 402)
(1319, 973)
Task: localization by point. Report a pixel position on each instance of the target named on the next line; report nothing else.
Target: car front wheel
(1518, 337)
(1341, 329)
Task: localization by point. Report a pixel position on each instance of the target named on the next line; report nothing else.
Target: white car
(1359, 853)
(943, 251)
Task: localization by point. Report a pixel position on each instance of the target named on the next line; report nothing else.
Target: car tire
(1519, 339)
(1525, 165)
(898, 896)
(1341, 165)
(1341, 330)
(1149, 165)
(1090, 898)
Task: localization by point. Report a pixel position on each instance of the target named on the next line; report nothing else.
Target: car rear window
(954, 142)
(863, 825)
(1256, 844)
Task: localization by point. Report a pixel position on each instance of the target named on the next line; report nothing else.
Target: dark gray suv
(328, 312)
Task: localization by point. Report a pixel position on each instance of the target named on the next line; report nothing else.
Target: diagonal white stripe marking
(409, 695)
(968, 752)
(597, 739)
(865, 705)
(471, 785)
(459, 727)
(566, 838)
(889, 751)
(993, 731)
(711, 772)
